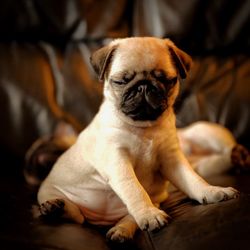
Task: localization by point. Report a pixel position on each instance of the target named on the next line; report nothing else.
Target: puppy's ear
(101, 59)
(181, 59)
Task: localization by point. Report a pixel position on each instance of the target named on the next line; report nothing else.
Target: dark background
(45, 73)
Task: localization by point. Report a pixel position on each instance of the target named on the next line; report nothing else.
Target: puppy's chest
(144, 155)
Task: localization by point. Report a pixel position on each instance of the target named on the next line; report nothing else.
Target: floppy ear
(101, 58)
(180, 58)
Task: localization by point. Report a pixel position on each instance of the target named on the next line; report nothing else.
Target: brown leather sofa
(46, 77)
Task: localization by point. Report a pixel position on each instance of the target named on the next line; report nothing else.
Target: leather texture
(46, 77)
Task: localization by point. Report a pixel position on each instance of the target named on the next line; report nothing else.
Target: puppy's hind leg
(61, 208)
(124, 230)
(54, 205)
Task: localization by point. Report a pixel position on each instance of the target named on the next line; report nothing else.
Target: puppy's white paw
(152, 219)
(213, 194)
(119, 234)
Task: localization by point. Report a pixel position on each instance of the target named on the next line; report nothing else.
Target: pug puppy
(118, 170)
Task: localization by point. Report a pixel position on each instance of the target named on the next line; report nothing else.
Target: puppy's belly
(99, 206)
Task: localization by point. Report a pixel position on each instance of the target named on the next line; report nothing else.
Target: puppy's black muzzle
(145, 100)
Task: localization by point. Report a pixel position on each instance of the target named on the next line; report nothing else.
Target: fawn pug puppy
(117, 171)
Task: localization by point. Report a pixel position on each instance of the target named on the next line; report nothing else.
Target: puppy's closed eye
(171, 81)
(161, 76)
(118, 82)
(124, 78)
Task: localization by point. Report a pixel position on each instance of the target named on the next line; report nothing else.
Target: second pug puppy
(117, 171)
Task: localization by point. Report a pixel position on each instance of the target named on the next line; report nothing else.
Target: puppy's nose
(141, 88)
(151, 94)
(145, 86)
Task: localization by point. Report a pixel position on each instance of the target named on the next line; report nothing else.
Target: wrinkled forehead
(142, 56)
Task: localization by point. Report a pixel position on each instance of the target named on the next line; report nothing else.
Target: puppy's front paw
(152, 219)
(119, 234)
(213, 194)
